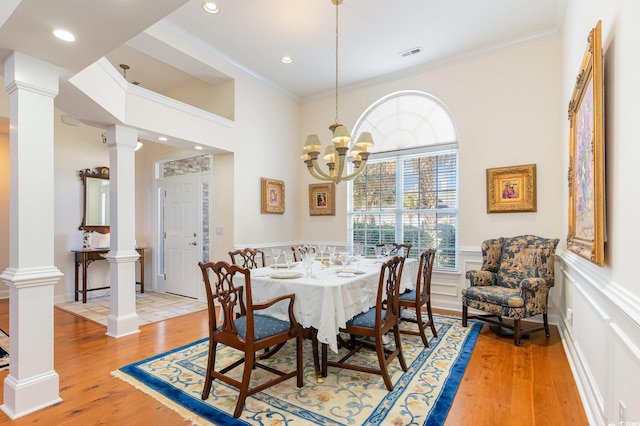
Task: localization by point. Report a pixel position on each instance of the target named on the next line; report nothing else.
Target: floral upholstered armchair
(513, 282)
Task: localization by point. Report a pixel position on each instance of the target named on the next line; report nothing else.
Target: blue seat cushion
(408, 295)
(263, 326)
(366, 319)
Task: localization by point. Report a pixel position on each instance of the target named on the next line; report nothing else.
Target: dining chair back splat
(419, 296)
(299, 250)
(248, 333)
(248, 258)
(397, 248)
(375, 323)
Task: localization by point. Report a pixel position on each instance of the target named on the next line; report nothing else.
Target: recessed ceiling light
(198, 147)
(163, 139)
(64, 35)
(210, 7)
(286, 59)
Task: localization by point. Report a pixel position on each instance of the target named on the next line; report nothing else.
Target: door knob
(195, 243)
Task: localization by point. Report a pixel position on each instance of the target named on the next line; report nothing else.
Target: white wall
(507, 106)
(603, 337)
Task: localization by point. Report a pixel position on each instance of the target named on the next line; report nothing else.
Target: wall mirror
(95, 184)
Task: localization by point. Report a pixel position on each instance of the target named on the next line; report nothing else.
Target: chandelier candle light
(336, 154)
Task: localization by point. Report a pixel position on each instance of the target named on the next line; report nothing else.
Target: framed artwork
(586, 156)
(322, 199)
(272, 196)
(512, 189)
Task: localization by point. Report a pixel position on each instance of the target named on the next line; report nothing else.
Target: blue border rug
(421, 396)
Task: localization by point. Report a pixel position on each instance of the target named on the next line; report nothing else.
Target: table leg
(84, 280)
(313, 335)
(141, 270)
(75, 293)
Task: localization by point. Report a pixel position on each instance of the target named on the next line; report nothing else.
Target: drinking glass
(332, 253)
(309, 258)
(357, 252)
(378, 250)
(288, 257)
(387, 247)
(321, 249)
(344, 258)
(276, 254)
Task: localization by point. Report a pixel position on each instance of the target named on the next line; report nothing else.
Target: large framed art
(586, 235)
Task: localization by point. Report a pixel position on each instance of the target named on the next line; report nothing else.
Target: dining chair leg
(244, 387)
(211, 362)
(382, 361)
(431, 322)
(421, 327)
(396, 334)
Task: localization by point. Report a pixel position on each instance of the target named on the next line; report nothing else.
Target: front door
(182, 239)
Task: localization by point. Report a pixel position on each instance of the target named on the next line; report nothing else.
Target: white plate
(346, 274)
(350, 271)
(286, 274)
(283, 265)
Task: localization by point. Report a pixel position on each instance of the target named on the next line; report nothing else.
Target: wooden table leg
(312, 334)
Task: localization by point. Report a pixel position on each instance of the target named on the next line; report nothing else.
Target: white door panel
(182, 241)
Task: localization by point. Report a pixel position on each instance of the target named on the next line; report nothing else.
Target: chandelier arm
(318, 171)
(317, 176)
(356, 172)
(342, 159)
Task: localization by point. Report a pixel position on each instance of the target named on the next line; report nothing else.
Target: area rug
(150, 307)
(4, 350)
(421, 396)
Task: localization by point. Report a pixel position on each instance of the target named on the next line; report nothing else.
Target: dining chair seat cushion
(263, 326)
(366, 319)
(408, 295)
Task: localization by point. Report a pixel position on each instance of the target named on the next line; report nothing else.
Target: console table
(85, 256)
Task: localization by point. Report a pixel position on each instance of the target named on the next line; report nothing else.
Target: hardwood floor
(503, 384)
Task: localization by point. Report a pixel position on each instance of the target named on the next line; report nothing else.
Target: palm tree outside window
(409, 190)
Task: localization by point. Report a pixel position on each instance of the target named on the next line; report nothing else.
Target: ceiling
(252, 35)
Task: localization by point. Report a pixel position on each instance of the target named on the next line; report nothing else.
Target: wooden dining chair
(301, 249)
(248, 258)
(419, 296)
(397, 248)
(247, 334)
(374, 324)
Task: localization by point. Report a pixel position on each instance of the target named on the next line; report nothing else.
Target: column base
(123, 325)
(25, 397)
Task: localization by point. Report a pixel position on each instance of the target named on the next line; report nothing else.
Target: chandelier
(335, 154)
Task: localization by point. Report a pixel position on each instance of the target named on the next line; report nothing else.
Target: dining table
(328, 297)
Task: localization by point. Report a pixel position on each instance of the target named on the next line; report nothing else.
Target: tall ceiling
(253, 35)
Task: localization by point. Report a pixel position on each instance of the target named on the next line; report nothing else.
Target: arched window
(409, 190)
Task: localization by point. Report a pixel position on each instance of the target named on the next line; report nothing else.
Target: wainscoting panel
(600, 328)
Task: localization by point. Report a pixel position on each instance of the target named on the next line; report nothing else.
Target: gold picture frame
(322, 199)
(586, 156)
(512, 189)
(272, 196)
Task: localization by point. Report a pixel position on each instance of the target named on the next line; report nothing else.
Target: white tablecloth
(326, 301)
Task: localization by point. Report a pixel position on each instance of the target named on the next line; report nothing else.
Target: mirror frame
(97, 173)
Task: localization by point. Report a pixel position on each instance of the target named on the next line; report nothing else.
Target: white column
(122, 319)
(32, 383)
